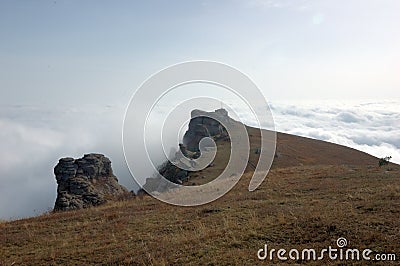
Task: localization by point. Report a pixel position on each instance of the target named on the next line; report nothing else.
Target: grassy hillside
(290, 151)
(315, 193)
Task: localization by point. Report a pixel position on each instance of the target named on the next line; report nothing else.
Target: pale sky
(73, 52)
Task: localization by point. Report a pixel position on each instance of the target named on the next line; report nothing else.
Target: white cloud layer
(372, 127)
(32, 140)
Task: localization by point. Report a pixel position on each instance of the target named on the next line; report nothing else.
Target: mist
(33, 139)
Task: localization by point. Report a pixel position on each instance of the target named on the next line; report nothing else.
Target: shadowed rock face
(205, 124)
(85, 182)
(202, 124)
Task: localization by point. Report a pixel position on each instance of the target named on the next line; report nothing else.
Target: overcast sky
(99, 51)
(330, 69)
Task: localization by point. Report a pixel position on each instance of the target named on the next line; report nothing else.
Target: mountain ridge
(290, 150)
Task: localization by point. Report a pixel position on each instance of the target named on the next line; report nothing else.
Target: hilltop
(315, 193)
(290, 151)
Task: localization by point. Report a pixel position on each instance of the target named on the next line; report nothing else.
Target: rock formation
(202, 124)
(85, 182)
(205, 124)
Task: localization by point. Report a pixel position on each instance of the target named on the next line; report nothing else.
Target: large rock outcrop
(205, 124)
(202, 124)
(85, 182)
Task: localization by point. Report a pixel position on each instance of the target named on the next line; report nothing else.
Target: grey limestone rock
(85, 182)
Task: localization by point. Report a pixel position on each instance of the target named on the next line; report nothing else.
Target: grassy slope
(315, 193)
(291, 151)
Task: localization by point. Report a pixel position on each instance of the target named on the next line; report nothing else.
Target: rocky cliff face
(85, 182)
(202, 124)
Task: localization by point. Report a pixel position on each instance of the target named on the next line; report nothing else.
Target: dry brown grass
(311, 197)
(297, 207)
